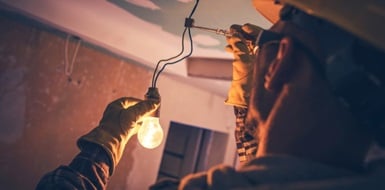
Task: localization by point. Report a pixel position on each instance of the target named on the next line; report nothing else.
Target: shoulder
(217, 177)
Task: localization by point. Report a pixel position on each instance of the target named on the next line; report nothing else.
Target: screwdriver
(189, 22)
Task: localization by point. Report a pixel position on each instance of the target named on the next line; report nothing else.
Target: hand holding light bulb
(150, 133)
(118, 125)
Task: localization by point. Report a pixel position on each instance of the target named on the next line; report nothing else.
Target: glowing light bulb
(150, 133)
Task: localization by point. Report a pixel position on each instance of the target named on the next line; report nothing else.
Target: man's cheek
(255, 105)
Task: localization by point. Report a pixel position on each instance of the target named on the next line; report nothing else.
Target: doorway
(191, 149)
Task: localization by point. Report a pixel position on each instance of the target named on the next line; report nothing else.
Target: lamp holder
(153, 94)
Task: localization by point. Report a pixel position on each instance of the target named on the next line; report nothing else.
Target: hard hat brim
(268, 9)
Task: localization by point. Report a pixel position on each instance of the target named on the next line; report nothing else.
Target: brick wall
(43, 111)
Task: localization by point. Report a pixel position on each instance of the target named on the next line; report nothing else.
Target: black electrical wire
(155, 75)
(156, 72)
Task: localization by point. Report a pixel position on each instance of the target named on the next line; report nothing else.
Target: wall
(43, 111)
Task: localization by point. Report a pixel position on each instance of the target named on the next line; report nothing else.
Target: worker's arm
(88, 170)
(101, 148)
(239, 92)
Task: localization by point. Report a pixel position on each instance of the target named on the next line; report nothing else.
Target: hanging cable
(68, 66)
(187, 28)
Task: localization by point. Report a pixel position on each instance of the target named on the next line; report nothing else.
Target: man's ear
(281, 67)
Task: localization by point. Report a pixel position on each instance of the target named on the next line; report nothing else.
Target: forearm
(88, 170)
(244, 136)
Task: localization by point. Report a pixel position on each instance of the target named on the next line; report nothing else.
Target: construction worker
(309, 99)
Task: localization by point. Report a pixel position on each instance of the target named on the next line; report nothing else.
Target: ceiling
(146, 31)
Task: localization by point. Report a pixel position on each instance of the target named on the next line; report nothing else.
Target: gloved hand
(118, 125)
(239, 92)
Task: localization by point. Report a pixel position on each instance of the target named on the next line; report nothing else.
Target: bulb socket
(153, 94)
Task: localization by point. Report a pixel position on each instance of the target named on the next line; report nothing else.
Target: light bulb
(150, 133)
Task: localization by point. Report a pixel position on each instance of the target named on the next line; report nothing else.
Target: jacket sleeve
(244, 136)
(88, 170)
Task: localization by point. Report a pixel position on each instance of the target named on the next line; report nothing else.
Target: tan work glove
(118, 125)
(242, 50)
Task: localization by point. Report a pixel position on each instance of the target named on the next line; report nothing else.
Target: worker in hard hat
(313, 89)
(309, 98)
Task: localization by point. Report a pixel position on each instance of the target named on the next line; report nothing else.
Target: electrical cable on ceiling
(187, 28)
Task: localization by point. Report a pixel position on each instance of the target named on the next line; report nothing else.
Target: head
(318, 85)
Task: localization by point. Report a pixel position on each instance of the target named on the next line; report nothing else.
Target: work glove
(242, 50)
(117, 126)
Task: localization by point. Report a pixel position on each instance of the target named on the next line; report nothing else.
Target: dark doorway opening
(191, 149)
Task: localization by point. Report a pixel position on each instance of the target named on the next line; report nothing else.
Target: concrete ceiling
(146, 31)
